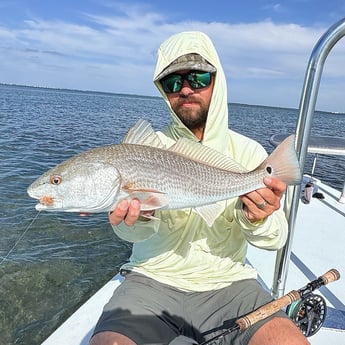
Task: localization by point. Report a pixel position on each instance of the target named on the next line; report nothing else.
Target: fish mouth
(46, 202)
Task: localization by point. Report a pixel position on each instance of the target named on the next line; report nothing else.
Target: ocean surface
(50, 268)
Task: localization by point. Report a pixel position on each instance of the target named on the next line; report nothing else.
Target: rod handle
(272, 307)
(330, 276)
(267, 310)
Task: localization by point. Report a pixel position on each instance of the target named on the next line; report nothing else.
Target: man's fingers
(133, 212)
(125, 211)
(119, 213)
(277, 186)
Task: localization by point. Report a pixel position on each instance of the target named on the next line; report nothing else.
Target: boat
(315, 245)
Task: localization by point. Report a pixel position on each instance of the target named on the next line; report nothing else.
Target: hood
(216, 131)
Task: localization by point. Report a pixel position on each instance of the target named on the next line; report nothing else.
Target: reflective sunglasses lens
(196, 80)
(199, 80)
(172, 83)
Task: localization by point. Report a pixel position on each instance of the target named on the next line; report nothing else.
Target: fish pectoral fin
(149, 199)
(150, 217)
(209, 213)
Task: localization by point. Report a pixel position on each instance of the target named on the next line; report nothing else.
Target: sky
(110, 46)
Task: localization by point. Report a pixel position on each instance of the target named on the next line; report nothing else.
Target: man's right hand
(127, 211)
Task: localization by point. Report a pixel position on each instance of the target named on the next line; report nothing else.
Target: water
(63, 258)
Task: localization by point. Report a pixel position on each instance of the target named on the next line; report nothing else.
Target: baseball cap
(190, 61)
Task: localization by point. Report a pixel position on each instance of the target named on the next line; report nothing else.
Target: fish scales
(188, 183)
(187, 175)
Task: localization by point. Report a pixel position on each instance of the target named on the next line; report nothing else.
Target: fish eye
(55, 179)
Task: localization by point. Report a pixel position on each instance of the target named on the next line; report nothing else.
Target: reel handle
(274, 306)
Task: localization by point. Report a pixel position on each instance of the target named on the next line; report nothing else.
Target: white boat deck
(318, 245)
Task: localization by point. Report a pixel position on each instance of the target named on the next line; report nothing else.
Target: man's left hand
(262, 202)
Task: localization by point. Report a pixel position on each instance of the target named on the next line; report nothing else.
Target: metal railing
(303, 130)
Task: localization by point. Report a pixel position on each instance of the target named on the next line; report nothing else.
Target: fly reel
(308, 313)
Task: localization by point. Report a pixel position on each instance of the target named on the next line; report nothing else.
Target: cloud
(116, 53)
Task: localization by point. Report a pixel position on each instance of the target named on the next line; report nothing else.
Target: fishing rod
(270, 308)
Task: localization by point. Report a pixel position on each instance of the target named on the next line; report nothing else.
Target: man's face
(191, 105)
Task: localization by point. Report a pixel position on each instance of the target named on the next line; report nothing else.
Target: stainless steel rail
(303, 130)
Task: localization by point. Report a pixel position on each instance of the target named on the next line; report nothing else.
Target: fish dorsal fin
(198, 152)
(142, 133)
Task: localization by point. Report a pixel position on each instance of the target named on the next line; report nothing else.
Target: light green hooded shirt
(180, 249)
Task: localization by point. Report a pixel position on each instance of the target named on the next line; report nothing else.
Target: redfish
(186, 175)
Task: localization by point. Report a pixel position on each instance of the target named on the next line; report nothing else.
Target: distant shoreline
(146, 97)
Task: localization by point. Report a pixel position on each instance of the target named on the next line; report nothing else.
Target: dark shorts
(152, 313)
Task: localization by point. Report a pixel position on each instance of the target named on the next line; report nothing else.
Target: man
(184, 277)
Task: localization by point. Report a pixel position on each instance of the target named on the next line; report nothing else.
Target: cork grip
(274, 306)
(267, 310)
(330, 276)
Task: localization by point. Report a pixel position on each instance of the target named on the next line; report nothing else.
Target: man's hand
(262, 202)
(125, 211)
(129, 212)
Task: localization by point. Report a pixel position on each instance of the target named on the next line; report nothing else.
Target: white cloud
(116, 53)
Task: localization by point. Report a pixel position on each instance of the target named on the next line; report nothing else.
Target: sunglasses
(196, 80)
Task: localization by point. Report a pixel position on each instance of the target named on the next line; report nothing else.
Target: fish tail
(283, 163)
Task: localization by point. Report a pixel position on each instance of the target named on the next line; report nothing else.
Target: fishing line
(20, 238)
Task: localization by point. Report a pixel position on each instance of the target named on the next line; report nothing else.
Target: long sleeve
(141, 231)
(269, 234)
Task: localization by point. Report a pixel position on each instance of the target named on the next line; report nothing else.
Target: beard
(193, 118)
